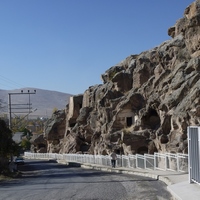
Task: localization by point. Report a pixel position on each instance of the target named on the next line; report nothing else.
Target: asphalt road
(48, 180)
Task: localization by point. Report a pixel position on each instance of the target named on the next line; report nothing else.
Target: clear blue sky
(65, 45)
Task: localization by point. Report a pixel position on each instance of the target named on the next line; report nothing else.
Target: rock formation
(145, 104)
(38, 144)
(55, 131)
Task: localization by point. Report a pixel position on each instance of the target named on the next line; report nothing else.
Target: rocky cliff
(145, 103)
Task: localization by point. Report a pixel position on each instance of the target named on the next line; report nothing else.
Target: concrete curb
(175, 196)
(165, 180)
(62, 162)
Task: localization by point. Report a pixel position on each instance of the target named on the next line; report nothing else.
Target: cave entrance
(118, 151)
(84, 147)
(151, 119)
(142, 150)
(41, 146)
(129, 121)
(72, 125)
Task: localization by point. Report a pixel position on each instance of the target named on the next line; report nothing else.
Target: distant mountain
(43, 100)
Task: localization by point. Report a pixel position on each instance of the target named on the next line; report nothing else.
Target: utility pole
(19, 108)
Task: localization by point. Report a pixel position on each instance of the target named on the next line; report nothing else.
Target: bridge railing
(168, 161)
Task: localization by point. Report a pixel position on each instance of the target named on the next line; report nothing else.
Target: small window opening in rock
(129, 121)
(80, 105)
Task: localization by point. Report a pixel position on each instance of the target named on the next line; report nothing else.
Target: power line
(6, 86)
(10, 82)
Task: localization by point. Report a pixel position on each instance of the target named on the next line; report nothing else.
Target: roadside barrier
(173, 162)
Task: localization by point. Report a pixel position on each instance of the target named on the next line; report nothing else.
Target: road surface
(48, 180)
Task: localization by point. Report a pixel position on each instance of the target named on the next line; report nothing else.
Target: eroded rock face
(145, 102)
(54, 131)
(38, 144)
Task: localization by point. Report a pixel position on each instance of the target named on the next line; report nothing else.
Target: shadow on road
(41, 171)
(52, 169)
(40, 165)
(43, 177)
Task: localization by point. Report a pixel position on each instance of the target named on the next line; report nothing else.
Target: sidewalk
(177, 182)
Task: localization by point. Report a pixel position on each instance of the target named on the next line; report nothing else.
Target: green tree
(26, 132)
(25, 144)
(6, 141)
(8, 147)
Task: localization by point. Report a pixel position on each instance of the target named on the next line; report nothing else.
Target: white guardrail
(174, 162)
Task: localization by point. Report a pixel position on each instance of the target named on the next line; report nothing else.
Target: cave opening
(142, 150)
(41, 145)
(72, 125)
(84, 147)
(151, 119)
(118, 151)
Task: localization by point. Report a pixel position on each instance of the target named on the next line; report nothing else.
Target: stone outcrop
(54, 131)
(38, 144)
(145, 104)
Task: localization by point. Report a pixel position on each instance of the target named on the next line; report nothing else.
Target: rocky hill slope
(43, 100)
(145, 103)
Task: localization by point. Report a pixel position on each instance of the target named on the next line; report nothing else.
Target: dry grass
(4, 178)
(10, 176)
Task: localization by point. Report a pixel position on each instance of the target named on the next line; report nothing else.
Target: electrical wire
(9, 82)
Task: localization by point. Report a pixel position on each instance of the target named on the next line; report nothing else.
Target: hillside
(43, 100)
